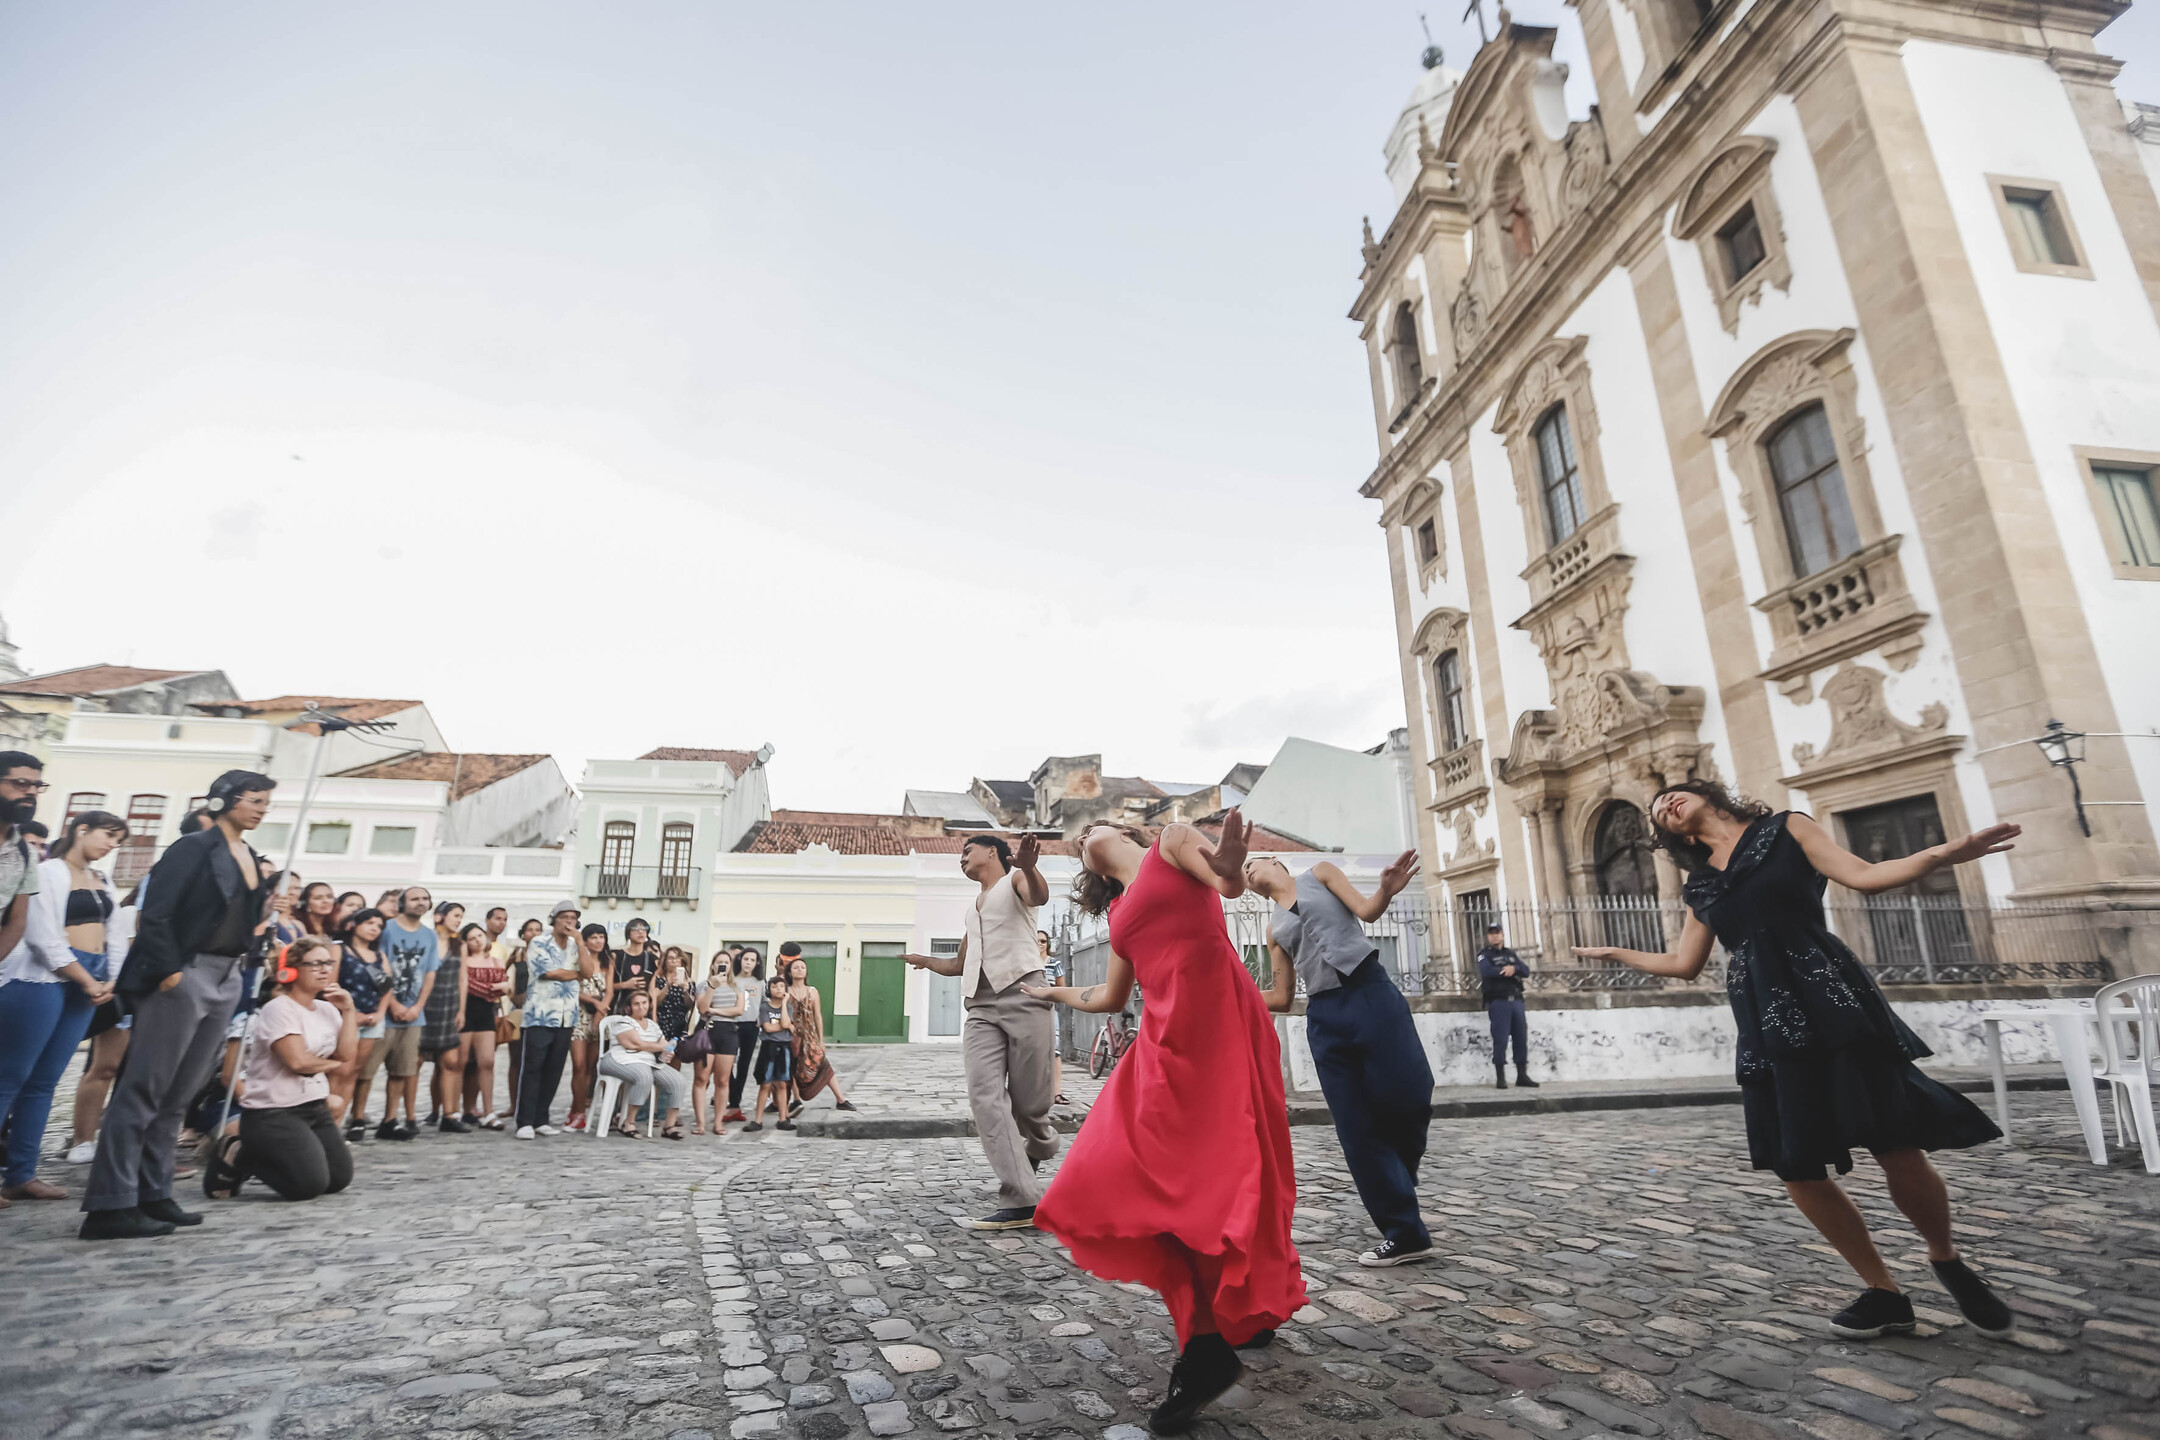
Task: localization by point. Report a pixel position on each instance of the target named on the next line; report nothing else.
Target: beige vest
(1001, 944)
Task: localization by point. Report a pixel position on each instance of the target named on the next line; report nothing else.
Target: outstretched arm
(943, 964)
(1095, 999)
(1219, 866)
(1028, 882)
(1684, 964)
(1849, 870)
(1282, 980)
(1369, 907)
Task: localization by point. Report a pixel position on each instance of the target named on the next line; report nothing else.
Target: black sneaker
(387, 1130)
(785, 1125)
(1982, 1308)
(405, 1130)
(451, 1125)
(1523, 1080)
(1260, 1340)
(125, 1224)
(356, 1132)
(752, 1127)
(844, 1105)
(168, 1212)
(1207, 1368)
(1875, 1313)
(1018, 1217)
(1396, 1252)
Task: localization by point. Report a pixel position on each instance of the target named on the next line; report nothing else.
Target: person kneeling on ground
(307, 1032)
(635, 1045)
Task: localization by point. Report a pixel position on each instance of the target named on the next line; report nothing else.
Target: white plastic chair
(2129, 1023)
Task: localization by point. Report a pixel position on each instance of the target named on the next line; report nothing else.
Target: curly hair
(1691, 855)
(1092, 893)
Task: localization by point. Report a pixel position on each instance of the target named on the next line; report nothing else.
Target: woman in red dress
(1181, 1178)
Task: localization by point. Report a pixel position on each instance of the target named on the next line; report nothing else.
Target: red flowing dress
(1181, 1179)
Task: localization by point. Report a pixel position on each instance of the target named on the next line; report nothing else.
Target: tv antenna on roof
(1433, 55)
(1477, 8)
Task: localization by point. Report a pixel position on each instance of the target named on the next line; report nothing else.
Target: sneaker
(451, 1125)
(752, 1127)
(1982, 1308)
(387, 1130)
(844, 1105)
(406, 1130)
(356, 1132)
(1018, 1217)
(1260, 1341)
(1876, 1312)
(548, 1130)
(734, 1114)
(525, 1132)
(1396, 1252)
(83, 1154)
(1207, 1368)
(126, 1224)
(785, 1125)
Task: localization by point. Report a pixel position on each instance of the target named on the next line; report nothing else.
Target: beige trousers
(1011, 1082)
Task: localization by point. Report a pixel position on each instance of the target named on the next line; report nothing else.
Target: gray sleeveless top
(1323, 939)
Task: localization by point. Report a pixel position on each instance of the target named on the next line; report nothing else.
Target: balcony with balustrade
(664, 885)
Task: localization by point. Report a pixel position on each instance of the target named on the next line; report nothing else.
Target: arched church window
(1819, 528)
(1558, 475)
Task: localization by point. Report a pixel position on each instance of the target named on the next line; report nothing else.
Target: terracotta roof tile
(89, 680)
(462, 773)
(736, 760)
(345, 707)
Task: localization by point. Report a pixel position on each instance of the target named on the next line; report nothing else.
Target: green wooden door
(884, 993)
(822, 956)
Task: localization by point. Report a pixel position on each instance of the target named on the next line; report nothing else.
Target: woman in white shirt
(635, 1045)
(307, 1032)
(49, 987)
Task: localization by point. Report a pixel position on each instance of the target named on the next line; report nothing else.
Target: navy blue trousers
(1510, 1021)
(1379, 1089)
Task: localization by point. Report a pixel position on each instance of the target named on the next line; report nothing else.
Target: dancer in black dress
(1825, 1065)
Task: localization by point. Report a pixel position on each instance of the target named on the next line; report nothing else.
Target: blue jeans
(40, 1027)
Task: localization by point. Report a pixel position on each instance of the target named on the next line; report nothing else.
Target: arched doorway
(1627, 879)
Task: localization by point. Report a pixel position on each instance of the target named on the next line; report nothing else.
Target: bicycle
(1111, 1043)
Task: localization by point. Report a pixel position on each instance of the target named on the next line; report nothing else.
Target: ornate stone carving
(1586, 166)
(1467, 845)
(1466, 317)
(1861, 724)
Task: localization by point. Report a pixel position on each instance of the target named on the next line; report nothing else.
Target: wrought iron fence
(1431, 950)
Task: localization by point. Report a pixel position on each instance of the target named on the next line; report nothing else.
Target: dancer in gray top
(1371, 1063)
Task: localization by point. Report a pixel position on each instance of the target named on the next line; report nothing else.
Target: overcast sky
(923, 389)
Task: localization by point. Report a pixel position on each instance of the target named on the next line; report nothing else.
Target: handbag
(695, 1046)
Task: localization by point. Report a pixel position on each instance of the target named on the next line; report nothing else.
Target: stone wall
(1678, 1036)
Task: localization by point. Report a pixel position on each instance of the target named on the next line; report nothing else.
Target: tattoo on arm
(1087, 996)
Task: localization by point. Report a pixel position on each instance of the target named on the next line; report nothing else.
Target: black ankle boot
(1523, 1080)
(1207, 1368)
(1499, 1077)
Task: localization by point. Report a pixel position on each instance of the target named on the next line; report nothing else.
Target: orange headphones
(286, 974)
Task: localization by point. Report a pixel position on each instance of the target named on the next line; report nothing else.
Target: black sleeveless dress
(1825, 1065)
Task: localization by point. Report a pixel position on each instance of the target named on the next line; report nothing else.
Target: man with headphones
(205, 897)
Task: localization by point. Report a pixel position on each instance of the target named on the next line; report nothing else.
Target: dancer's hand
(1396, 877)
(1055, 994)
(1583, 952)
(1992, 841)
(1030, 852)
(1227, 859)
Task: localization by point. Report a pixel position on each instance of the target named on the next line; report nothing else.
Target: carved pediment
(1540, 382)
(1776, 378)
(1440, 631)
(1731, 168)
(1862, 727)
(1586, 166)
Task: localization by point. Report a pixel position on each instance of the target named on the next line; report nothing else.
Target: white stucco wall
(2082, 356)
(1663, 1042)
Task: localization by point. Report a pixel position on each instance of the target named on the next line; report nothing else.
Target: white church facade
(1792, 419)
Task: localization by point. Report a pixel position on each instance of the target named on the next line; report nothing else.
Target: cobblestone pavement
(930, 1081)
(1604, 1275)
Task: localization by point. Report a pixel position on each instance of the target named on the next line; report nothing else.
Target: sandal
(673, 1132)
(221, 1172)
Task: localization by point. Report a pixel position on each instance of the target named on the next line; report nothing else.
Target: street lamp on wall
(2064, 748)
